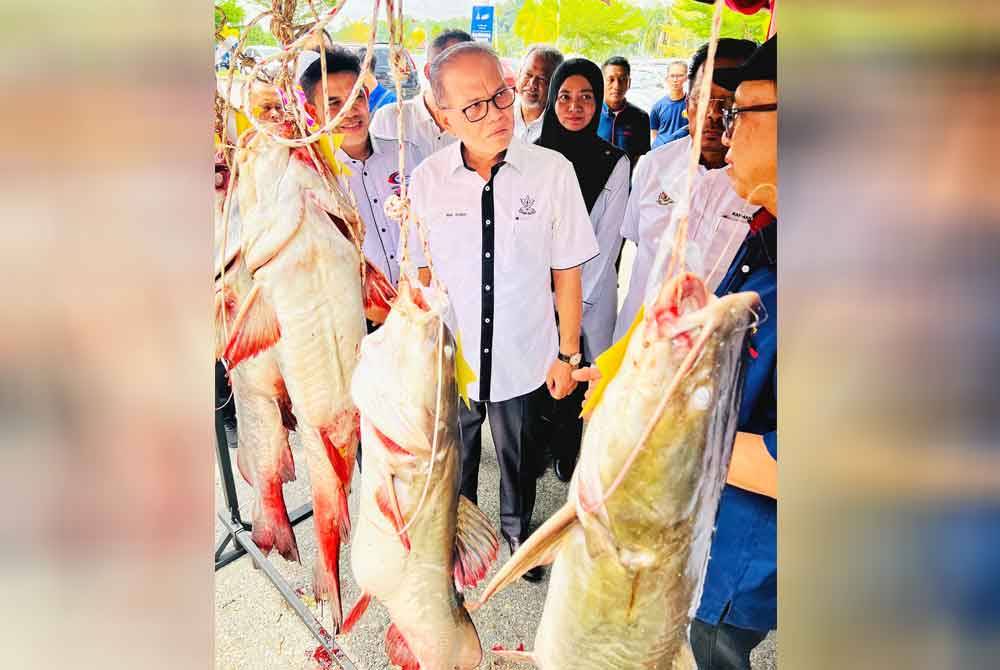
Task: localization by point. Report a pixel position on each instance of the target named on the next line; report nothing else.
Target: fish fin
(286, 465)
(255, 329)
(288, 419)
(391, 445)
(518, 655)
(476, 545)
(379, 293)
(388, 504)
(326, 569)
(398, 650)
(356, 612)
(342, 469)
(271, 525)
(539, 549)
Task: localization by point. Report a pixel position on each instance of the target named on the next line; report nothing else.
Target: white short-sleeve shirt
(419, 127)
(658, 184)
(528, 131)
(494, 244)
(373, 181)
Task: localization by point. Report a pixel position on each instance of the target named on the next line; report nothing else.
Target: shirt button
(487, 222)
(391, 256)
(486, 351)
(383, 230)
(487, 287)
(487, 188)
(366, 174)
(745, 269)
(488, 254)
(374, 199)
(487, 319)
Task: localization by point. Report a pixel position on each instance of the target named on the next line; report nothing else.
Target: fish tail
(327, 517)
(272, 529)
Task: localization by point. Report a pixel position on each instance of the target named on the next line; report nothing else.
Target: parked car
(411, 87)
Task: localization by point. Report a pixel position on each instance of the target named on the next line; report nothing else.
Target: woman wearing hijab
(570, 127)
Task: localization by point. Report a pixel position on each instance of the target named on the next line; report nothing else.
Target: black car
(411, 87)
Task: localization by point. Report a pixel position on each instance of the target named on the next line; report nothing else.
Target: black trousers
(723, 647)
(514, 427)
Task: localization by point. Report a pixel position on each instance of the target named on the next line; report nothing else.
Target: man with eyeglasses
(660, 179)
(506, 222)
(533, 90)
(739, 601)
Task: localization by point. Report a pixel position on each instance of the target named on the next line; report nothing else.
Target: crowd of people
(528, 193)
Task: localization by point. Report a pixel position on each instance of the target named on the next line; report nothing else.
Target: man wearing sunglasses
(660, 179)
(506, 222)
(739, 601)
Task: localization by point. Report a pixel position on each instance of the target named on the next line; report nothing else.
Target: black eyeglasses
(478, 110)
(730, 114)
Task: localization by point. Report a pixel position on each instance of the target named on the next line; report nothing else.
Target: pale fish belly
(599, 615)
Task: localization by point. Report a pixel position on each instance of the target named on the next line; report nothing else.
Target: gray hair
(451, 54)
(677, 61)
(552, 57)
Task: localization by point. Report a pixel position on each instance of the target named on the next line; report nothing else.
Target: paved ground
(257, 630)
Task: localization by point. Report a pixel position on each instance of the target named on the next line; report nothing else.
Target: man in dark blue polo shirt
(739, 601)
(622, 123)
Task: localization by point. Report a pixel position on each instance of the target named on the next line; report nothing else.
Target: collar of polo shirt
(514, 156)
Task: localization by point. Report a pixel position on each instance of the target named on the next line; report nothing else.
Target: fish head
(404, 383)
(701, 340)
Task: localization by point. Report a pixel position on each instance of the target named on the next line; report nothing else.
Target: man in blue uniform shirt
(739, 604)
(622, 123)
(669, 113)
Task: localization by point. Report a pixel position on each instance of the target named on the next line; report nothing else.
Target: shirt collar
(378, 146)
(514, 157)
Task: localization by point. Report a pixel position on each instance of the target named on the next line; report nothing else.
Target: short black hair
(728, 47)
(447, 38)
(338, 59)
(620, 61)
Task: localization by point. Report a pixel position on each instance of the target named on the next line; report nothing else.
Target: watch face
(575, 358)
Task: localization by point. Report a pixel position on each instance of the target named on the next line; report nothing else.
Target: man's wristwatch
(573, 360)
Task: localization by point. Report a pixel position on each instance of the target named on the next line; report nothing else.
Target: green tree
(696, 18)
(582, 26)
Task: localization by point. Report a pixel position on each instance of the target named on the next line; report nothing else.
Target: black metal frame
(238, 532)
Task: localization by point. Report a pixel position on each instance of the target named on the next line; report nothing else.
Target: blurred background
(890, 239)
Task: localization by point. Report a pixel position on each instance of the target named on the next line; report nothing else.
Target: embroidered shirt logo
(664, 199)
(527, 208)
(395, 182)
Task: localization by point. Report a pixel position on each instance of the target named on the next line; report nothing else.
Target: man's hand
(590, 375)
(560, 380)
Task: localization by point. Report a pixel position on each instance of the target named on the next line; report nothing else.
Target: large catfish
(417, 542)
(307, 302)
(630, 547)
(262, 406)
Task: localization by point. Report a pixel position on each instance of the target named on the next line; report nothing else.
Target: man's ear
(427, 70)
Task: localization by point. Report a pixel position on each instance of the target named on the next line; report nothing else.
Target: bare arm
(752, 468)
(424, 275)
(652, 136)
(569, 305)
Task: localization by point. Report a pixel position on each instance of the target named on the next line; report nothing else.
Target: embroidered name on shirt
(738, 216)
(449, 214)
(664, 199)
(527, 206)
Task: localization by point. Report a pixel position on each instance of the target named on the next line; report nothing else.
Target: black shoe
(564, 468)
(533, 575)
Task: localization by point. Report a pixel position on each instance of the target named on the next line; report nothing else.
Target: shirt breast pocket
(529, 245)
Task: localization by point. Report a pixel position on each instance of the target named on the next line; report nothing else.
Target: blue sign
(482, 23)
